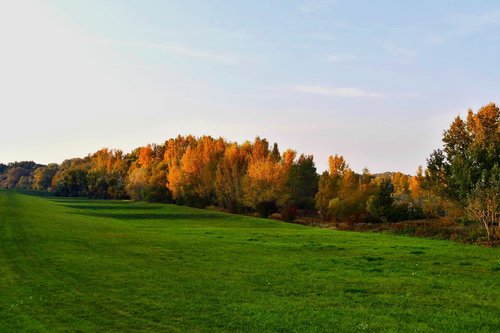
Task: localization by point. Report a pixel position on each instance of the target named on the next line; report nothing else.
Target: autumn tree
(192, 182)
(107, 174)
(174, 152)
(337, 165)
(351, 200)
(42, 177)
(260, 149)
(147, 175)
(265, 179)
(329, 184)
(415, 184)
(401, 184)
(230, 173)
(349, 183)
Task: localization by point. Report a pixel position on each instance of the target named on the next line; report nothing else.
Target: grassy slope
(82, 265)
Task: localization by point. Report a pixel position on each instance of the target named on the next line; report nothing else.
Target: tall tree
(264, 185)
(194, 181)
(379, 205)
(71, 178)
(42, 177)
(469, 160)
(229, 178)
(303, 182)
(329, 184)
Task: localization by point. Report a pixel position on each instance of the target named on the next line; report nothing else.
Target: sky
(374, 81)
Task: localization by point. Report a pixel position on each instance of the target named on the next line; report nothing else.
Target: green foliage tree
(471, 152)
(71, 178)
(158, 191)
(379, 205)
(469, 160)
(303, 182)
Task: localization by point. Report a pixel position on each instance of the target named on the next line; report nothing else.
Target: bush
(289, 213)
(406, 212)
(336, 209)
(265, 208)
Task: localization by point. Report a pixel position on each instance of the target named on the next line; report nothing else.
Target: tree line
(256, 178)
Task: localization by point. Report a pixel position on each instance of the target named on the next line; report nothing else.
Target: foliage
(254, 177)
(263, 185)
(302, 182)
(71, 178)
(137, 184)
(484, 206)
(229, 176)
(468, 166)
(42, 177)
(147, 175)
(18, 174)
(195, 185)
(471, 153)
(379, 205)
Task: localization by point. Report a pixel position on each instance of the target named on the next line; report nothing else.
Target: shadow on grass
(34, 193)
(112, 206)
(78, 200)
(161, 216)
(125, 210)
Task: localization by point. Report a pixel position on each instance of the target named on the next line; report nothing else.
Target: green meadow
(83, 265)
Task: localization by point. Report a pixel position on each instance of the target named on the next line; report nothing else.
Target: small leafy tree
(483, 205)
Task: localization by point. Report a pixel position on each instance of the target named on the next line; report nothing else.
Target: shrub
(265, 208)
(289, 213)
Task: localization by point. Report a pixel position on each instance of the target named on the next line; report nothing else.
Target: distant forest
(461, 180)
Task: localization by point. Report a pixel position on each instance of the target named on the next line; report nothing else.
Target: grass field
(99, 266)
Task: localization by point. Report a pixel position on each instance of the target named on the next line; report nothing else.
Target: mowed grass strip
(100, 266)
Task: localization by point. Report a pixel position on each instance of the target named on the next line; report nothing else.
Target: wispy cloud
(311, 6)
(404, 55)
(460, 25)
(338, 57)
(340, 92)
(178, 50)
(474, 23)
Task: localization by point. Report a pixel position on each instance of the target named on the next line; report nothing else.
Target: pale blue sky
(375, 81)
